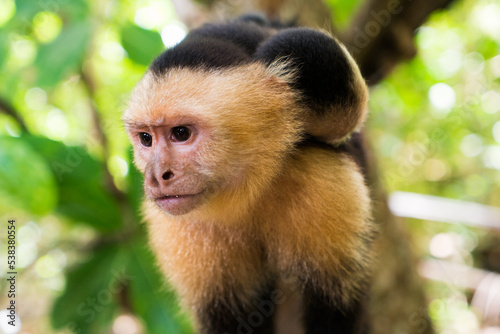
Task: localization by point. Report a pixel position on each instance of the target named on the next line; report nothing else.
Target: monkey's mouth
(177, 204)
(173, 196)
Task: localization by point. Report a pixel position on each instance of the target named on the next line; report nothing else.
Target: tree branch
(313, 13)
(190, 13)
(9, 109)
(382, 34)
(101, 134)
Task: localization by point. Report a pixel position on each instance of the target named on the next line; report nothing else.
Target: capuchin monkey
(257, 211)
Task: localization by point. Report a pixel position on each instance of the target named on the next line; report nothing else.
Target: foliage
(66, 69)
(435, 129)
(443, 108)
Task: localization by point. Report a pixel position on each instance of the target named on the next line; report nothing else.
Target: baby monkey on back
(257, 211)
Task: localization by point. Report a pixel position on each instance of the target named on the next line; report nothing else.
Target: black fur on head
(200, 52)
(216, 45)
(325, 76)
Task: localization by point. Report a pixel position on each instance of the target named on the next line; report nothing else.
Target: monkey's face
(167, 155)
(204, 138)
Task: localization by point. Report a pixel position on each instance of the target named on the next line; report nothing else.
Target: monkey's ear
(327, 78)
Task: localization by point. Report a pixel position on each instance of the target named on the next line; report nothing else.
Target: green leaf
(91, 298)
(26, 181)
(89, 204)
(26, 9)
(488, 47)
(70, 10)
(82, 196)
(141, 45)
(63, 55)
(150, 297)
(3, 47)
(342, 11)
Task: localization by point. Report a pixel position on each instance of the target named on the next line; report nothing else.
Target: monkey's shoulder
(319, 180)
(353, 149)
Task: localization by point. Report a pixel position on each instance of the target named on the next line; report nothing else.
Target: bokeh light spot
(435, 170)
(442, 96)
(126, 324)
(47, 266)
(7, 11)
(172, 34)
(5, 328)
(442, 245)
(491, 157)
(35, 98)
(486, 18)
(471, 145)
(496, 131)
(46, 26)
(490, 101)
(57, 124)
(112, 51)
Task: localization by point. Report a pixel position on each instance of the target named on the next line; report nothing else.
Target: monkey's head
(214, 118)
(209, 136)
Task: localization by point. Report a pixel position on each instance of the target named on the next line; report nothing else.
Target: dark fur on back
(325, 73)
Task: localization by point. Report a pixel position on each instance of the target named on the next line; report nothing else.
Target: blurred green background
(66, 70)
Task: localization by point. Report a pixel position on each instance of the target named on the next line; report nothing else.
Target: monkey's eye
(146, 139)
(181, 133)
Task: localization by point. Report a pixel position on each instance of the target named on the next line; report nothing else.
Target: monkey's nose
(167, 175)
